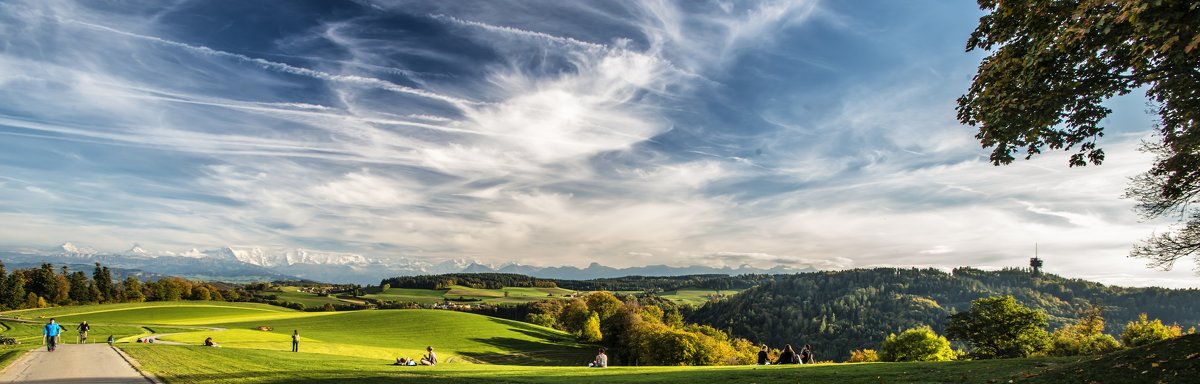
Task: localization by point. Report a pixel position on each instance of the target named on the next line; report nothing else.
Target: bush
(863, 356)
(917, 344)
(1142, 332)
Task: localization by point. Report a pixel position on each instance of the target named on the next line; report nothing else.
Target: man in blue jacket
(51, 334)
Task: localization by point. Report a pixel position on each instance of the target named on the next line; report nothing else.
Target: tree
(1000, 327)
(104, 283)
(133, 290)
(1053, 64)
(4, 287)
(591, 329)
(16, 290)
(1085, 337)
(1142, 332)
(603, 303)
(916, 344)
(79, 291)
(201, 293)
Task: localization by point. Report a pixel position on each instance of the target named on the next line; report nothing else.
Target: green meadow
(360, 346)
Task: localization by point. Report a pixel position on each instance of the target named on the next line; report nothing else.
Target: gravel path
(73, 363)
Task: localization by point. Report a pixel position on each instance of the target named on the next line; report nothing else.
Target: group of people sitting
(428, 359)
(788, 356)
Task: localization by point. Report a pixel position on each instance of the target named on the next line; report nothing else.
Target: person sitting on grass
(601, 360)
(788, 356)
(208, 342)
(806, 354)
(401, 361)
(431, 358)
(763, 358)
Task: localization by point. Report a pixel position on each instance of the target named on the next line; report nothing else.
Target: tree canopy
(1000, 327)
(1052, 64)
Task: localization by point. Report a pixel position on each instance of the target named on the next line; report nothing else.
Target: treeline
(473, 280)
(628, 283)
(47, 286)
(841, 311)
(665, 283)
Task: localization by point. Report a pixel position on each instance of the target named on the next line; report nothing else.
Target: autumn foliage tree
(1050, 66)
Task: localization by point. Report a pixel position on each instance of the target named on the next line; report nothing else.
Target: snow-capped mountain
(251, 263)
(69, 249)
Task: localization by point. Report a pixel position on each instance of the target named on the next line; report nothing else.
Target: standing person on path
(296, 340)
(83, 330)
(51, 334)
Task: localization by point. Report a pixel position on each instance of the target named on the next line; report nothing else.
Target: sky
(628, 133)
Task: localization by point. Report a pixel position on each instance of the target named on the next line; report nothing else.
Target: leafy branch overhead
(1051, 66)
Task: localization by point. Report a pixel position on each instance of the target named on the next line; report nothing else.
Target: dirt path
(73, 363)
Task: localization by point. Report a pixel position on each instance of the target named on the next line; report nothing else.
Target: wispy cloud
(627, 133)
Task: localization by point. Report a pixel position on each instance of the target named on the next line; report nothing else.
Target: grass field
(206, 365)
(695, 297)
(378, 334)
(359, 346)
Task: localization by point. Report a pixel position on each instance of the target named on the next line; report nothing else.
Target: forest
(840, 311)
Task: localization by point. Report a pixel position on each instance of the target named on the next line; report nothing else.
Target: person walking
(50, 333)
(83, 332)
(295, 340)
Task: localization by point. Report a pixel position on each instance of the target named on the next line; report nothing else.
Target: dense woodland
(840, 311)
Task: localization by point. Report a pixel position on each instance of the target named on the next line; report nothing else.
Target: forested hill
(844, 310)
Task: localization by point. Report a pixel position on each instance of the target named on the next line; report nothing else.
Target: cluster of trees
(46, 286)
(841, 311)
(1000, 327)
(665, 283)
(642, 330)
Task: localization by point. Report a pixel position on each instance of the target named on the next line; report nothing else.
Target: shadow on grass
(528, 353)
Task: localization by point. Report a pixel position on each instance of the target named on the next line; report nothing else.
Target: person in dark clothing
(83, 332)
(788, 356)
(296, 340)
(763, 359)
(806, 355)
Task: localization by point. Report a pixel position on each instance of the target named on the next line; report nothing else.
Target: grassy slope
(380, 334)
(1172, 361)
(386, 334)
(491, 296)
(189, 364)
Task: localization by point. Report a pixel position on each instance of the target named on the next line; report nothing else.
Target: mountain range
(245, 264)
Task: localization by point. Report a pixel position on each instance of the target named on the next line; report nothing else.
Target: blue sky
(627, 133)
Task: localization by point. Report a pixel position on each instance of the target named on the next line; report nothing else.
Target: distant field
(309, 300)
(696, 296)
(490, 296)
